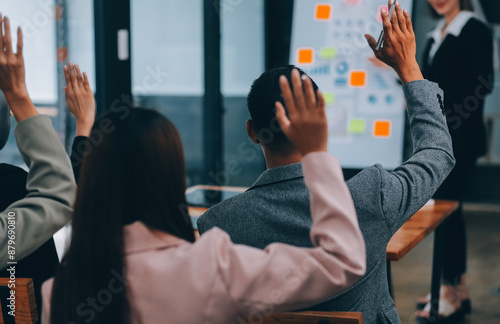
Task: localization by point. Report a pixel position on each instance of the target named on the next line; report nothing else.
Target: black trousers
(454, 188)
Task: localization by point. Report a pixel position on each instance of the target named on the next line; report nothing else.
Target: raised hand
(399, 50)
(12, 73)
(80, 99)
(306, 124)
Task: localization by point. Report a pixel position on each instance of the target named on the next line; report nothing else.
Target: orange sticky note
(323, 11)
(382, 128)
(305, 56)
(357, 79)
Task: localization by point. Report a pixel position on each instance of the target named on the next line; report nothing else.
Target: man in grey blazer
(28, 223)
(276, 207)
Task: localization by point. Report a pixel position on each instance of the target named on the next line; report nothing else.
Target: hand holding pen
(399, 48)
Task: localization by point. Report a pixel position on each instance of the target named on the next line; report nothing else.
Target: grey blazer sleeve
(51, 190)
(398, 195)
(405, 190)
(206, 221)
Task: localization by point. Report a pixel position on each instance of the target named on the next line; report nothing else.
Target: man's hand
(80, 99)
(399, 48)
(306, 125)
(12, 73)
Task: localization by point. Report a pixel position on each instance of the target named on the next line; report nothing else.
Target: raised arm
(81, 103)
(404, 191)
(79, 99)
(283, 277)
(28, 223)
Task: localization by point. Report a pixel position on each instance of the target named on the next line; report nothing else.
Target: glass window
(243, 61)
(242, 45)
(167, 68)
(167, 47)
(36, 17)
(167, 74)
(81, 45)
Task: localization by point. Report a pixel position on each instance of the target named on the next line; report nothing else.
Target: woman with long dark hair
(132, 256)
(459, 57)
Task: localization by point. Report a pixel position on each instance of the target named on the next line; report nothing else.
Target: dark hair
(464, 5)
(136, 173)
(264, 93)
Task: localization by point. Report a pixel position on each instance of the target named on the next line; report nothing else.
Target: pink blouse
(216, 281)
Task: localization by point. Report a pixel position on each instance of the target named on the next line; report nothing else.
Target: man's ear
(251, 132)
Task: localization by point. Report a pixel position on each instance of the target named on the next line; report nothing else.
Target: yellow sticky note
(328, 53)
(329, 98)
(357, 126)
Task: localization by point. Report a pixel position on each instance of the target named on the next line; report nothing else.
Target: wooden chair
(310, 318)
(26, 312)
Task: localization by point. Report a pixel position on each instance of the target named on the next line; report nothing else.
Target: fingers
(282, 117)
(409, 24)
(386, 24)
(371, 42)
(401, 17)
(321, 101)
(20, 42)
(298, 91)
(7, 39)
(79, 77)
(309, 91)
(394, 19)
(75, 78)
(68, 78)
(373, 45)
(86, 83)
(72, 76)
(287, 95)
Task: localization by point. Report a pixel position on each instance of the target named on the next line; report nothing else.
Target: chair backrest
(310, 318)
(25, 310)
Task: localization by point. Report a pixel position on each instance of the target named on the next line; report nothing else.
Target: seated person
(132, 256)
(50, 184)
(42, 263)
(275, 208)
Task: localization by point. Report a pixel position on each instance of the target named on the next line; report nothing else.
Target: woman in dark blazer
(459, 57)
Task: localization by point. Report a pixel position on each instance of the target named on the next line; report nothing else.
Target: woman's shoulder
(477, 35)
(476, 27)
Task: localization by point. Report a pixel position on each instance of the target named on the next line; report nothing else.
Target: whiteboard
(365, 102)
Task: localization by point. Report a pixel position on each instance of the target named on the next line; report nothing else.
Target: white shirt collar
(455, 27)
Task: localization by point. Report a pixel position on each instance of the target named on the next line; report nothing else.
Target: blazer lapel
(445, 44)
(425, 60)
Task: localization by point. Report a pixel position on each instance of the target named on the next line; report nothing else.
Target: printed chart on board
(365, 102)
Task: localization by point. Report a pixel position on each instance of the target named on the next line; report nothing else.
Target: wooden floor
(412, 274)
